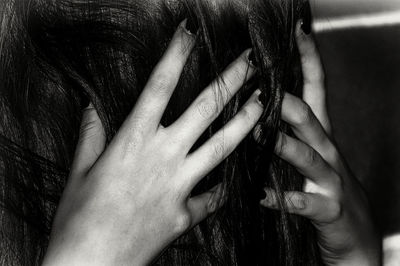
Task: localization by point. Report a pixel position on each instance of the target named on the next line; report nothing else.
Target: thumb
(91, 142)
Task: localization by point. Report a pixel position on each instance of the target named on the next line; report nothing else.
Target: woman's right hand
(124, 203)
(332, 197)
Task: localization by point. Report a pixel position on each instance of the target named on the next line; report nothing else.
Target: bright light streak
(391, 250)
(358, 21)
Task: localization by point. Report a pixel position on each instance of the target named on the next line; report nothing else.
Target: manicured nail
(252, 59)
(260, 98)
(191, 26)
(85, 102)
(306, 18)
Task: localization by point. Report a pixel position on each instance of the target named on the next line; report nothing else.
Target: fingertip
(89, 114)
(251, 58)
(298, 202)
(303, 40)
(91, 124)
(92, 140)
(90, 105)
(216, 198)
(304, 37)
(258, 95)
(306, 18)
(262, 203)
(269, 199)
(299, 30)
(203, 205)
(267, 203)
(188, 32)
(183, 40)
(190, 26)
(215, 203)
(248, 57)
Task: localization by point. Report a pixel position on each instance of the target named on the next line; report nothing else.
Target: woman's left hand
(332, 198)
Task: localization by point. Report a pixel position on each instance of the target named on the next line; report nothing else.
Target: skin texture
(124, 203)
(332, 198)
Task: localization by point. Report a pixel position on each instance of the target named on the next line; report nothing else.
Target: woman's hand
(332, 198)
(126, 202)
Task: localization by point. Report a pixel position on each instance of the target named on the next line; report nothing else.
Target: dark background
(363, 81)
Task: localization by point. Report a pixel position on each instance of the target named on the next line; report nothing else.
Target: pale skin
(124, 203)
(332, 198)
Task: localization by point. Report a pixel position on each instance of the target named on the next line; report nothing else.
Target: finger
(208, 105)
(312, 206)
(307, 128)
(162, 82)
(203, 205)
(306, 160)
(314, 93)
(92, 140)
(219, 146)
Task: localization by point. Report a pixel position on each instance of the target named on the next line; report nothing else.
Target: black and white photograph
(200, 132)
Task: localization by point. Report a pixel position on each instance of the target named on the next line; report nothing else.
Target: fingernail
(300, 204)
(267, 202)
(260, 98)
(191, 26)
(306, 18)
(252, 59)
(212, 206)
(89, 107)
(84, 102)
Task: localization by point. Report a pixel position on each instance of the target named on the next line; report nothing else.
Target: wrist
(64, 251)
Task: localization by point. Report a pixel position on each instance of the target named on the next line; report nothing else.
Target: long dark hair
(56, 56)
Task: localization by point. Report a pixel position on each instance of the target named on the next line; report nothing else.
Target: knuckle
(218, 149)
(238, 74)
(207, 109)
(169, 152)
(310, 157)
(246, 115)
(131, 143)
(317, 76)
(167, 149)
(160, 82)
(303, 115)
